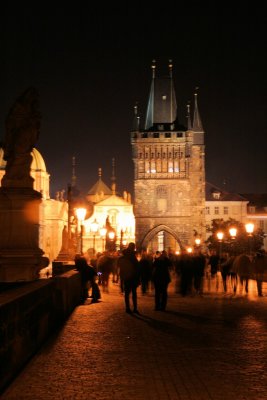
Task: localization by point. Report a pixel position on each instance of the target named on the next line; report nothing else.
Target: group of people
(131, 271)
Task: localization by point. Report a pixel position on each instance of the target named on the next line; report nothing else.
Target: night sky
(91, 63)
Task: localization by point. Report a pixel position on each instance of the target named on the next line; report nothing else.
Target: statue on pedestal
(21, 259)
(22, 131)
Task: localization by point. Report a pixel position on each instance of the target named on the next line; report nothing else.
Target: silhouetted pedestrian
(130, 275)
(161, 279)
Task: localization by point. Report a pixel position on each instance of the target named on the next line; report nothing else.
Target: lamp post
(220, 236)
(111, 237)
(233, 232)
(197, 241)
(249, 229)
(103, 232)
(94, 229)
(80, 213)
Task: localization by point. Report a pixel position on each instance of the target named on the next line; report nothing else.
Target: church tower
(169, 171)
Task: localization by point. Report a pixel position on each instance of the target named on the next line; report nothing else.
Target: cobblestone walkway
(203, 347)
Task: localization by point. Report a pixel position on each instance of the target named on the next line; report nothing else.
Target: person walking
(161, 279)
(87, 274)
(130, 275)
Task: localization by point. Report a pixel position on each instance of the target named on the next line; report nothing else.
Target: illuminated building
(53, 212)
(169, 171)
(108, 206)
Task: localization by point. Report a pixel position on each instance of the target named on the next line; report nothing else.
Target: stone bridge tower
(169, 171)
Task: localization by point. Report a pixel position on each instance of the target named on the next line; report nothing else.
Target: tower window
(158, 155)
(156, 135)
(140, 155)
(167, 134)
(179, 134)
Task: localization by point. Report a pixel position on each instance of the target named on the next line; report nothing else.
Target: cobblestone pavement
(203, 347)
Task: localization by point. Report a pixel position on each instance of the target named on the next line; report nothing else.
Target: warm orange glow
(233, 232)
(220, 235)
(80, 212)
(111, 235)
(103, 232)
(249, 228)
(197, 241)
(94, 226)
(189, 250)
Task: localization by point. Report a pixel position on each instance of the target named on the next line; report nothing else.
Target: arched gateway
(169, 170)
(161, 237)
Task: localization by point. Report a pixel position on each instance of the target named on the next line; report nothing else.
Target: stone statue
(22, 130)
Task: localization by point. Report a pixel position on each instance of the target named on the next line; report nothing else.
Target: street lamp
(80, 213)
(220, 236)
(94, 229)
(249, 229)
(111, 235)
(197, 241)
(103, 232)
(233, 232)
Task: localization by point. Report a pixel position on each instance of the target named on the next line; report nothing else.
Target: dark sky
(91, 63)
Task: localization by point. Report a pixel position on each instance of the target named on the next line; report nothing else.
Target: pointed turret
(150, 107)
(113, 177)
(136, 121)
(197, 124)
(162, 108)
(73, 177)
(188, 117)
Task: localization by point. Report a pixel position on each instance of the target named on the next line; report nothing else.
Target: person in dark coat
(130, 276)
(145, 271)
(161, 279)
(88, 275)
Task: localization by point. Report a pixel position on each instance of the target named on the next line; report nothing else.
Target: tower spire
(73, 177)
(197, 124)
(153, 67)
(136, 121)
(188, 116)
(170, 68)
(99, 172)
(113, 178)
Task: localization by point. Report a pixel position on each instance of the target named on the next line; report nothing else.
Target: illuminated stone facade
(53, 213)
(169, 172)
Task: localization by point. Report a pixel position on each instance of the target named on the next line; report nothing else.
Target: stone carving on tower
(169, 171)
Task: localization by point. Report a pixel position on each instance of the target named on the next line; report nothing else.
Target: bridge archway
(161, 237)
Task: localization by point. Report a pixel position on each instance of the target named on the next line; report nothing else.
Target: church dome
(37, 164)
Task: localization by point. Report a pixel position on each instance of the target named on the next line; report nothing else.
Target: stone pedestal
(21, 259)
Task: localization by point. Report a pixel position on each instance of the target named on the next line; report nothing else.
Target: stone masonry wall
(29, 314)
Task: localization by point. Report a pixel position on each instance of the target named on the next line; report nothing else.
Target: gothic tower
(169, 171)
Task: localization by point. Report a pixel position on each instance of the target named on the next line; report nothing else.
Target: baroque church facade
(169, 171)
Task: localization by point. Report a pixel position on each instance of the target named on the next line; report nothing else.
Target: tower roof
(197, 124)
(100, 188)
(162, 107)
